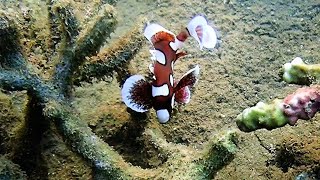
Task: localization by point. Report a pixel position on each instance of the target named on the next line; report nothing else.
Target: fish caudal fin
(136, 93)
(205, 35)
(155, 33)
(187, 81)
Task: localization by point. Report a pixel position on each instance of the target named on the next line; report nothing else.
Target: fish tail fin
(199, 29)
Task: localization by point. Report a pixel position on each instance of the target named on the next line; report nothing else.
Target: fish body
(163, 91)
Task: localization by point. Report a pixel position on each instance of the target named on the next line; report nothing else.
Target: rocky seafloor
(255, 39)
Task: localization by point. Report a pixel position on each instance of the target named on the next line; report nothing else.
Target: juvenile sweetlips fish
(163, 91)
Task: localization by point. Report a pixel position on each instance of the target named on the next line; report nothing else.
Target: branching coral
(72, 45)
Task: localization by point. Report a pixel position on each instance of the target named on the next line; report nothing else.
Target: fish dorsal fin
(156, 33)
(136, 93)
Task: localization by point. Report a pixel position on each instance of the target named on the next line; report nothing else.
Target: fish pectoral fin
(137, 93)
(188, 80)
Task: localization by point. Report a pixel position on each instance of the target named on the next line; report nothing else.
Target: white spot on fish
(176, 45)
(172, 100)
(160, 91)
(151, 68)
(171, 79)
(160, 57)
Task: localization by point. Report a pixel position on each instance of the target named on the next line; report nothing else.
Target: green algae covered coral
(304, 103)
(262, 115)
(73, 50)
(298, 72)
(13, 123)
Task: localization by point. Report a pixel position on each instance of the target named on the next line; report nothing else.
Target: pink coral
(302, 104)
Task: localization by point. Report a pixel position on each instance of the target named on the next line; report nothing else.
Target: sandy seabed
(257, 38)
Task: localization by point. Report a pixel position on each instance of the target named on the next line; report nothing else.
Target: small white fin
(177, 44)
(153, 29)
(205, 35)
(127, 91)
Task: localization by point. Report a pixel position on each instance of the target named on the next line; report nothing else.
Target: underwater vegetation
(75, 53)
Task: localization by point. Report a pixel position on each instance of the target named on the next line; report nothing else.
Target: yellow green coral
(262, 115)
(300, 73)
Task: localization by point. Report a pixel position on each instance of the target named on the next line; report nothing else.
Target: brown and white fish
(163, 91)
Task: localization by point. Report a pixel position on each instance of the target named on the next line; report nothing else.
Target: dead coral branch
(116, 57)
(88, 43)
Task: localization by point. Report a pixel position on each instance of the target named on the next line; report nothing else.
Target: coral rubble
(302, 104)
